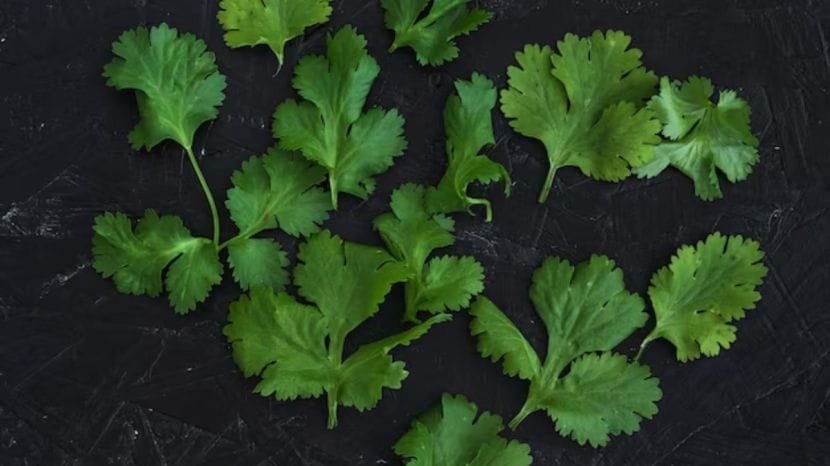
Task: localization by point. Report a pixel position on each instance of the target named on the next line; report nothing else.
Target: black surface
(89, 376)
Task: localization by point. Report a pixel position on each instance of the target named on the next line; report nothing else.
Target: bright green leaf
(298, 349)
(177, 84)
(431, 33)
(411, 234)
(455, 434)
(584, 104)
(329, 126)
(702, 290)
(469, 128)
(586, 309)
(258, 262)
(192, 276)
(602, 395)
(278, 190)
(136, 260)
(498, 338)
(704, 136)
(248, 23)
(283, 340)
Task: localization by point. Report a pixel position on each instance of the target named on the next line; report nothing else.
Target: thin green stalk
(527, 409)
(648, 339)
(543, 196)
(211, 203)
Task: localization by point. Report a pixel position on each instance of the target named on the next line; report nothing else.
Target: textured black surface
(89, 376)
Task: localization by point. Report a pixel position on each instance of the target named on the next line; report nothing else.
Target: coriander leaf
(455, 434)
(586, 310)
(705, 137)
(191, 276)
(469, 128)
(431, 33)
(371, 368)
(177, 84)
(450, 283)
(298, 349)
(271, 22)
(282, 340)
(329, 128)
(347, 281)
(258, 262)
(602, 395)
(136, 259)
(702, 290)
(584, 103)
(498, 338)
(411, 234)
(278, 190)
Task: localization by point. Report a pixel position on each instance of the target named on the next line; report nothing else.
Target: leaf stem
(543, 196)
(411, 293)
(527, 409)
(648, 339)
(333, 189)
(332, 407)
(488, 216)
(208, 195)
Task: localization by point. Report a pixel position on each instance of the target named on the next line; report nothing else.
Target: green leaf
(177, 84)
(455, 434)
(136, 260)
(329, 128)
(248, 23)
(431, 33)
(450, 283)
(346, 281)
(498, 338)
(584, 104)
(371, 368)
(586, 309)
(192, 276)
(702, 290)
(298, 349)
(602, 395)
(258, 262)
(469, 128)
(282, 340)
(278, 190)
(704, 136)
(411, 234)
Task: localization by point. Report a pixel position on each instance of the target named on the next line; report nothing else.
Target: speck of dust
(2, 40)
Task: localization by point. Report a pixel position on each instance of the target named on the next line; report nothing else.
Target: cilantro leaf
(177, 84)
(702, 290)
(603, 394)
(469, 128)
(584, 103)
(298, 349)
(431, 33)
(329, 128)
(258, 262)
(271, 22)
(705, 136)
(412, 234)
(136, 259)
(276, 190)
(586, 310)
(455, 434)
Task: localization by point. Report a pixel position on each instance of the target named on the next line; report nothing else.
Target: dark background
(90, 376)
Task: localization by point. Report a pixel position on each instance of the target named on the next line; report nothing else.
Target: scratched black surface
(89, 376)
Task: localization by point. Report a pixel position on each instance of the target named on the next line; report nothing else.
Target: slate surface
(89, 376)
